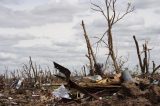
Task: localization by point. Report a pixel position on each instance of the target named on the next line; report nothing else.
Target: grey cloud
(49, 52)
(67, 44)
(157, 11)
(16, 37)
(10, 54)
(10, 1)
(68, 53)
(45, 55)
(8, 40)
(44, 14)
(144, 4)
(6, 56)
(142, 32)
(99, 23)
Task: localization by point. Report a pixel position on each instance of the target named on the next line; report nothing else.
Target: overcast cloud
(50, 30)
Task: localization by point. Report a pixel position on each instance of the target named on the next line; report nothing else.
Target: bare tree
(144, 65)
(112, 16)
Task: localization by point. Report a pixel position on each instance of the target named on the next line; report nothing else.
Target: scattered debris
(94, 78)
(61, 92)
(156, 82)
(19, 83)
(126, 76)
(119, 88)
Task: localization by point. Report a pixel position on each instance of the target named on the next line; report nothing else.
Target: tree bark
(139, 56)
(90, 56)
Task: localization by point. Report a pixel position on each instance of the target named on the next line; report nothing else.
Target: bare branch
(155, 68)
(114, 12)
(129, 9)
(96, 10)
(108, 3)
(99, 9)
(111, 17)
(101, 40)
(103, 36)
(108, 13)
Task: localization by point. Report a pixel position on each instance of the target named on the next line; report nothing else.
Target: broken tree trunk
(139, 56)
(90, 55)
(35, 76)
(111, 50)
(155, 68)
(146, 58)
(144, 65)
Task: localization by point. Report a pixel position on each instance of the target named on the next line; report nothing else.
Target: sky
(50, 30)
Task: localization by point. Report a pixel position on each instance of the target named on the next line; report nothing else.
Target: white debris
(95, 77)
(61, 92)
(34, 95)
(155, 82)
(10, 98)
(1, 95)
(47, 84)
(126, 76)
(114, 94)
(14, 103)
(19, 83)
(100, 98)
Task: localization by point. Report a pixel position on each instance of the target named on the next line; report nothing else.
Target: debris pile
(119, 89)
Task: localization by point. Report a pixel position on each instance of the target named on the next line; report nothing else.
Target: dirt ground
(130, 94)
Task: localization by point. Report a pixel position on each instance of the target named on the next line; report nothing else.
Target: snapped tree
(144, 62)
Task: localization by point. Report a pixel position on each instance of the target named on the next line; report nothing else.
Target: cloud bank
(51, 30)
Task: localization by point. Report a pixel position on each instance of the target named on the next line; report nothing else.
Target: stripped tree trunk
(90, 55)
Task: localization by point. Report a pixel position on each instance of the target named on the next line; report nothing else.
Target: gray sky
(50, 30)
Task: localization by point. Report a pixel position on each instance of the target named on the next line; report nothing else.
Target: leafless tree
(144, 65)
(112, 16)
